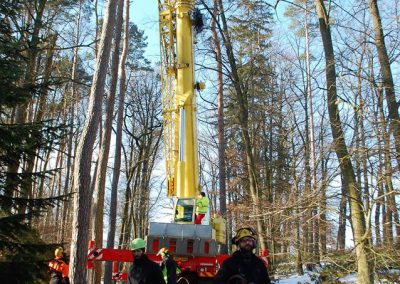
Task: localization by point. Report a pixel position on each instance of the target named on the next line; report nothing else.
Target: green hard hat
(138, 243)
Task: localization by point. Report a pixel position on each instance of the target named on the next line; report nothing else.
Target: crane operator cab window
(184, 210)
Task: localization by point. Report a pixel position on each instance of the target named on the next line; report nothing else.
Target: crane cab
(185, 210)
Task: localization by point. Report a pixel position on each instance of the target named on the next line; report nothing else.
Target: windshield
(184, 210)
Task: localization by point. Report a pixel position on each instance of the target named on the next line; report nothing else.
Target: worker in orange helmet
(169, 267)
(243, 266)
(59, 268)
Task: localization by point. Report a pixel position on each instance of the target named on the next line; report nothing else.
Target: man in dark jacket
(143, 270)
(243, 266)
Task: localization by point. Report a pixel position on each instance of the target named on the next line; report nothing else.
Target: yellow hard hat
(244, 232)
(162, 252)
(59, 252)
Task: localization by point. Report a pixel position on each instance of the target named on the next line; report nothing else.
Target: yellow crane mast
(196, 247)
(178, 97)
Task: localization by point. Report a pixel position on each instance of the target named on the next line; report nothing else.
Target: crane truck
(195, 247)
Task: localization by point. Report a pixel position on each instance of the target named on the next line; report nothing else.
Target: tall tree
(118, 145)
(387, 77)
(23, 252)
(221, 129)
(363, 249)
(100, 179)
(249, 30)
(70, 105)
(82, 168)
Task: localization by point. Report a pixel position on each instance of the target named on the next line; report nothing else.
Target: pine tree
(23, 255)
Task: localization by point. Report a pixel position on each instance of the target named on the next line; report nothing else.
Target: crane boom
(195, 247)
(178, 98)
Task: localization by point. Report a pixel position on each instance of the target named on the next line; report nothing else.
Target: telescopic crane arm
(195, 246)
(178, 97)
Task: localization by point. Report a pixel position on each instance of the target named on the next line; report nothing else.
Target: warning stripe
(56, 265)
(95, 254)
(205, 274)
(90, 251)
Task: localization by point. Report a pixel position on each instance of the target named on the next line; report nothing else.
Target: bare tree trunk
(118, 145)
(313, 168)
(298, 243)
(378, 208)
(341, 234)
(362, 150)
(125, 226)
(82, 169)
(30, 164)
(387, 77)
(71, 106)
(221, 131)
(387, 169)
(324, 159)
(100, 180)
(323, 203)
(360, 230)
(308, 236)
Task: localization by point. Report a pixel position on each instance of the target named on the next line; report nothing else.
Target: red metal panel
(155, 244)
(172, 245)
(203, 266)
(206, 247)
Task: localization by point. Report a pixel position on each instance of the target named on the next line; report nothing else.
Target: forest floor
(389, 276)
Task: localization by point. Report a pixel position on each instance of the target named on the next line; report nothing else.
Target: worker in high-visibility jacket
(58, 268)
(201, 207)
(169, 267)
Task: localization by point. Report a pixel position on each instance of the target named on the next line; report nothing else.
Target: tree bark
(387, 78)
(82, 169)
(360, 230)
(387, 175)
(316, 224)
(221, 129)
(100, 181)
(118, 145)
(71, 107)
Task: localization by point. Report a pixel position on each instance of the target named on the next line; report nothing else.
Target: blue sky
(144, 14)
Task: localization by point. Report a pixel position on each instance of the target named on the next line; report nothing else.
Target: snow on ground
(352, 277)
(349, 278)
(294, 279)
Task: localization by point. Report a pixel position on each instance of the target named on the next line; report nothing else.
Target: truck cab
(185, 210)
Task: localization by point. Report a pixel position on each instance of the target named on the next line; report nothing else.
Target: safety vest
(178, 271)
(59, 266)
(202, 205)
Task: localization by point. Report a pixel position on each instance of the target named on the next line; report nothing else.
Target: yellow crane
(178, 20)
(178, 97)
(195, 247)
